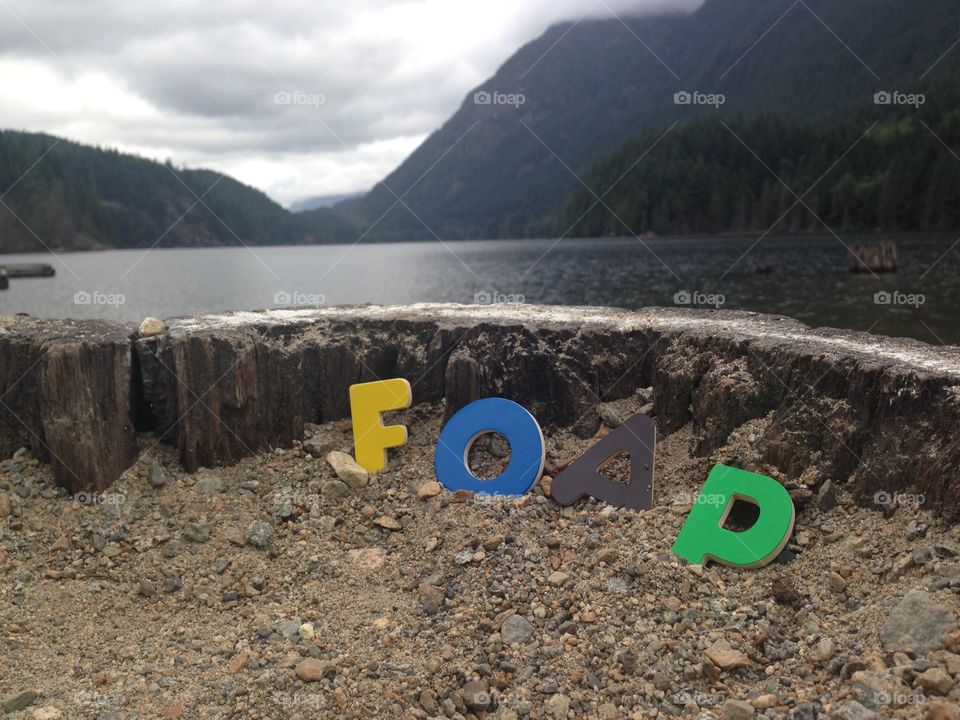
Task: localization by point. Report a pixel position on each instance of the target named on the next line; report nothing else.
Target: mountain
(321, 201)
(505, 165)
(703, 179)
(63, 195)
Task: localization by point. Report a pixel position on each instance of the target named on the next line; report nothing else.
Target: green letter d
(703, 536)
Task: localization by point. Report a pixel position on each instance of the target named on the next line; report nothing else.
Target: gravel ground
(274, 589)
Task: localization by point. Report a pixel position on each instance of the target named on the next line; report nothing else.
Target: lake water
(810, 281)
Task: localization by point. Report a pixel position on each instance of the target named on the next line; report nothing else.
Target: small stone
(19, 701)
(348, 470)
(335, 490)
(935, 680)
(6, 505)
(852, 710)
(259, 533)
(836, 582)
(312, 670)
(146, 588)
(915, 530)
(429, 490)
(172, 584)
(516, 630)
(235, 535)
(558, 579)
(307, 631)
(197, 532)
(725, 657)
(428, 701)
(546, 484)
(239, 661)
(209, 484)
(492, 543)
(558, 705)
(151, 326)
(823, 651)
(765, 702)
(737, 710)
(388, 523)
(62, 544)
(157, 477)
(476, 695)
(50, 712)
(943, 711)
(367, 558)
(319, 446)
(827, 496)
(917, 623)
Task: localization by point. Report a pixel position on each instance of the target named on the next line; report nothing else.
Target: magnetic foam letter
(703, 536)
(370, 437)
(527, 451)
(636, 437)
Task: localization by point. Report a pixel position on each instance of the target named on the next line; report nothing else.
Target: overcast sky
(360, 82)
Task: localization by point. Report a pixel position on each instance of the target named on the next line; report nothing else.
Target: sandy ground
(273, 590)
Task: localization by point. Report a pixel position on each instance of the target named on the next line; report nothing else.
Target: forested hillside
(79, 197)
(704, 178)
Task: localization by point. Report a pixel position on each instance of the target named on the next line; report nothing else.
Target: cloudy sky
(296, 98)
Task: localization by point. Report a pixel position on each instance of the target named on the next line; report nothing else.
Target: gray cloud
(365, 80)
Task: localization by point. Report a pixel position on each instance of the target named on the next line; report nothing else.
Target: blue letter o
(485, 416)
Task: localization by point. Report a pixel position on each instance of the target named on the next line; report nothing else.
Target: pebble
(239, 661)
(558, 706)
(917, 623)
(306, 631)
(198, 532)
(313, 670)
(935, 680)
(157, 477)
(429, 490)
(737, 710)
(725, 657)
(235, 535)
(348, 470)
(836, 582)
(558, 579)
(259, 533)
(943, 711)
(852, 710)
(19, 700)
(823, 651)
(827, 496)
(476, 695)
(209, 484)
(388, 523)
(151, 326)
(147, 588)
(6, 505)
(517, 630)
(335, 490)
